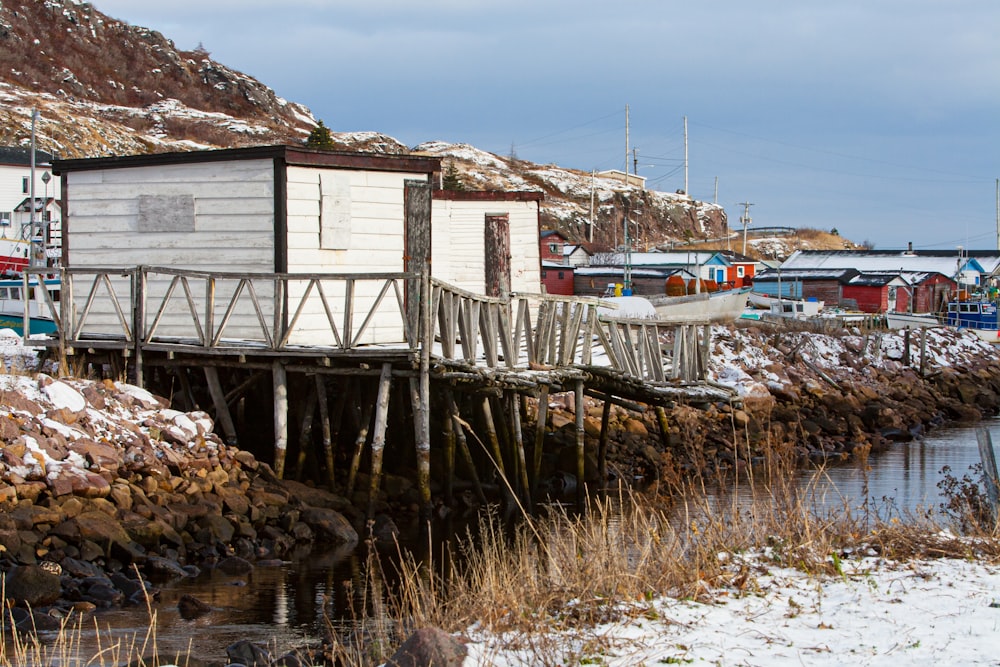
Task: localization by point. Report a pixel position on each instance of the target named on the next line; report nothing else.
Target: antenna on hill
(745, 220)
(686, 191)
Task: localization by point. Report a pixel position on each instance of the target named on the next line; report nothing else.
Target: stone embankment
(806, 395)
(102, 484)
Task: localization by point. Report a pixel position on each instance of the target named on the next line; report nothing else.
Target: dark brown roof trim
(292, 155)
(487, 195)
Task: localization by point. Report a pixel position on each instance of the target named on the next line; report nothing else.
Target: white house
(15, 207)
(284, 209)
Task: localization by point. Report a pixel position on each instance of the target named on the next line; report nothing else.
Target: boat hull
(714, 307)
(912, 320)
(36, 325)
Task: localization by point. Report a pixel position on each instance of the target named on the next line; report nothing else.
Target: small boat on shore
(713, 307)
(978, 315)
(912, 320)
(774, 306)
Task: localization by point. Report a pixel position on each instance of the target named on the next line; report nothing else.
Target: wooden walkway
(445, 349)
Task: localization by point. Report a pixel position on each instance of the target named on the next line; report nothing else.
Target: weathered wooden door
(417, 253)
(497, 254)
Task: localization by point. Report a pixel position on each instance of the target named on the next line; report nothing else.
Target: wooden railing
(163, 308)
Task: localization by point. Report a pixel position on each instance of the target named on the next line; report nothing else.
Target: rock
(235, 565)
(32, 586)
(429, 646)
(330, 525)
(163, 568)
(248, 654)
(191, 607)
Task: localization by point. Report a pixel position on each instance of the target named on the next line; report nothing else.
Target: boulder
(429, 646)
(32, 586)
(330, 525)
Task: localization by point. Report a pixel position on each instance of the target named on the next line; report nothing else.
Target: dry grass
(563, 574)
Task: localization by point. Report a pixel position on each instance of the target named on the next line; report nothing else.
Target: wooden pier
(338, 358)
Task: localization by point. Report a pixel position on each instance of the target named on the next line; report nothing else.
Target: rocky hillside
(103, 87)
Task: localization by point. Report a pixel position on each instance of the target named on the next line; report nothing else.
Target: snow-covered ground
(943, 612)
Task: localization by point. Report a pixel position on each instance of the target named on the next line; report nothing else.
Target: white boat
(713, 307)
(799, 309)
(912, 320)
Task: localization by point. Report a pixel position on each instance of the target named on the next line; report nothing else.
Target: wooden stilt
(602, 447)
(305, 431)
(448, 431)
(540, 423)
(186, 389)
(923, 348)
(378, 436)
(280, 381)
(222, 414)
(463, 445)
(494, 441)
(422, 446)
(581, 458)
(359, 443)
(522, 465)
(324, 420)
(661, 419)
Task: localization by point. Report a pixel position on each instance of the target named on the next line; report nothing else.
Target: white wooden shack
(281, 210)
(467, 226)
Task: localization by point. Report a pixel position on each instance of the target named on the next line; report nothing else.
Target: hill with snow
(103, 87)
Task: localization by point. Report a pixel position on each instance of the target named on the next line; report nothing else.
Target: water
(289, 605)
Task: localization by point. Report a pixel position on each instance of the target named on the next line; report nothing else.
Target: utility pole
(998, 214)
(627, 287)
(715, 197)
(686, 156)
(593, 186)
(745, 220)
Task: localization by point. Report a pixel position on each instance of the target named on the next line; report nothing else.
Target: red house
(557, 278)
(741, 271)
(551, 246)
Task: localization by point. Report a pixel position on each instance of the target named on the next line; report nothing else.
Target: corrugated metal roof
(943, 262)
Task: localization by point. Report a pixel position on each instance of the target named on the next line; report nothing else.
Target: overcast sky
(880, 118)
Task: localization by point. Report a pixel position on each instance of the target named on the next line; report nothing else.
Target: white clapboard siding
(458, 243)
(232, 229)
(361, 231)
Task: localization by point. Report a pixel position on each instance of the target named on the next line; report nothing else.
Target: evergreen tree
(452, 180)
(320, 137)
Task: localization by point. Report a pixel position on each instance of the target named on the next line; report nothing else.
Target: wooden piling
(492, 438)
(463, 444)
(602, 446)
(514, 406)
(991, 480)
(540, 423)
(364, 421)
(448, 431)
(222, 414)
(305, 430)
(378, 436)
(581, 459)
(279, 380)
(422, 445)
(326, 426)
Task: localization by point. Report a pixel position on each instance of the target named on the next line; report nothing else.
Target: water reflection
(292, 604)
